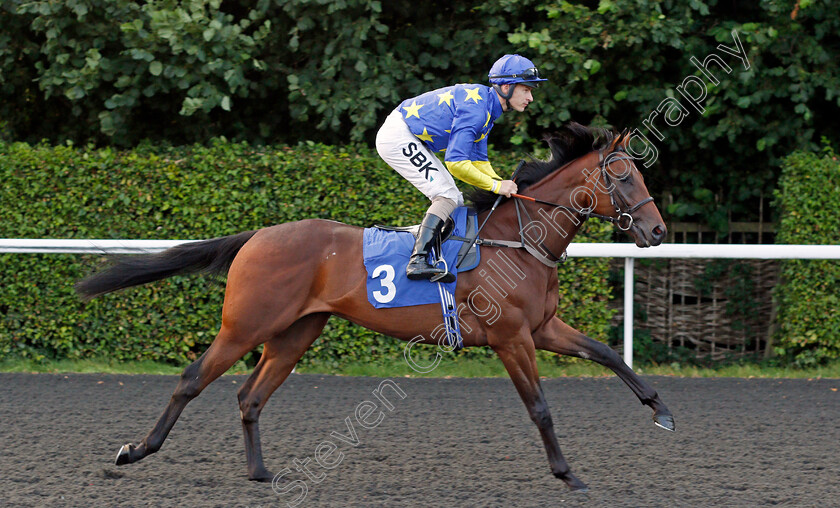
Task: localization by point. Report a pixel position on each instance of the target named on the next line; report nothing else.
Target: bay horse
(285, 281)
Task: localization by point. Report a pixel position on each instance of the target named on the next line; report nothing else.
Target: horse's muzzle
(645, 237)
(658, 234)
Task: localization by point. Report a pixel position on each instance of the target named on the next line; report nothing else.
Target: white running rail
(628, 251)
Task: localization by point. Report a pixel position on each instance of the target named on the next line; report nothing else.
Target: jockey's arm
(471, 173)
(466, 155)
(487, 169)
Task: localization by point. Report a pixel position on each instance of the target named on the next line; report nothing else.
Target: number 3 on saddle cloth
(386, 251)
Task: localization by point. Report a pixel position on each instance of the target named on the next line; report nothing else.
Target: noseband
(624, 219)
(612, 191)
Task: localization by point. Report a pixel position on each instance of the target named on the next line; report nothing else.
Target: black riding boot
(418, 266)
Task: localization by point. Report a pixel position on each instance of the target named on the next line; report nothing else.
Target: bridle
(623, 220)
(624, 213)
(612, 191)
(623, 216)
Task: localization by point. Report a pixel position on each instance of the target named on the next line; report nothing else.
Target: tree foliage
(119, 71)
(627, 56)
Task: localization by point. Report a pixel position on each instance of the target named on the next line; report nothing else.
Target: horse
(285, 281)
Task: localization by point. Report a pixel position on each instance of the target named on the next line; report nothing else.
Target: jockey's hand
(507, 187)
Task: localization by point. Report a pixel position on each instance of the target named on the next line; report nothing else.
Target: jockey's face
(521, 97)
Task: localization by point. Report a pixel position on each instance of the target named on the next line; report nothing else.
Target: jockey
(454, 121)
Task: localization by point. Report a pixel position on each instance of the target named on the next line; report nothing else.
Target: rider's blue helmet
(513, 69)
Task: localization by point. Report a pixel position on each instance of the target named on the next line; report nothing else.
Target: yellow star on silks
(413, 109)
(445, 97)
(481, 137)
(488, 119)
(472, 93)
(425, 136)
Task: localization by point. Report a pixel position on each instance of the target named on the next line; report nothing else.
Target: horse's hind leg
(558, 337)
(219, 357)
(278, 359)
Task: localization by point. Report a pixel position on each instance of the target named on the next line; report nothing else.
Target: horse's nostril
(658, 232)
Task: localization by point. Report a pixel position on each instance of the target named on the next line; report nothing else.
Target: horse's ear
(623, 137)
(615, 142)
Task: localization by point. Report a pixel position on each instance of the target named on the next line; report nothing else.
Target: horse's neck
(564, 187)
(542, 224)
(559, 186)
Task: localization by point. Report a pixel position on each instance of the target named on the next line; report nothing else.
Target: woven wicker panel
(679, 314)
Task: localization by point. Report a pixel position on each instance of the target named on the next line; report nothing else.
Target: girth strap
(513, 245)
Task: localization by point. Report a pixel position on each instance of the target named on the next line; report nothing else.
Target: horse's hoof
(124, 455)
(577, 486)
(664, 421)
(579, 490)
(574, 484)
(263, 476)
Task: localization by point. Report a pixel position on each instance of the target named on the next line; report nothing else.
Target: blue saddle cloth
(386, 255)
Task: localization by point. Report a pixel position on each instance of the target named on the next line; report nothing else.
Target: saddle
(467, 254)
(387, 284)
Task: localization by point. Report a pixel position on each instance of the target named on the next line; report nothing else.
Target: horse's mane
(573, 141)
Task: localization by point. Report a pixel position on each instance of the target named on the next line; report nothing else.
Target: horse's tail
(212, 256)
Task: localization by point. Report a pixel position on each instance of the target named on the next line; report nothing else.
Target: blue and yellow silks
(456, 120)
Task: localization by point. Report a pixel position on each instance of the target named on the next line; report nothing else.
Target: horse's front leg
(558, 337)
(519, 358)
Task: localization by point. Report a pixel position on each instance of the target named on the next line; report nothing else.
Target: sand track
(450, 442)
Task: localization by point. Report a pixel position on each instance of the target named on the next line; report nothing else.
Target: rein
(585, 214)
(624, 220)
(493, 209)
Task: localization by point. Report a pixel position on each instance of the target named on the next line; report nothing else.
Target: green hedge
(194, 192)
(809, 292)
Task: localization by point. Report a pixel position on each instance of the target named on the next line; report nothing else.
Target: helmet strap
(505, 96)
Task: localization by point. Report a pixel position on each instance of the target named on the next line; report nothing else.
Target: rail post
(628, 311)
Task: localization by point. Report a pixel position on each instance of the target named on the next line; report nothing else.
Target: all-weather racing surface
(448, 442)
